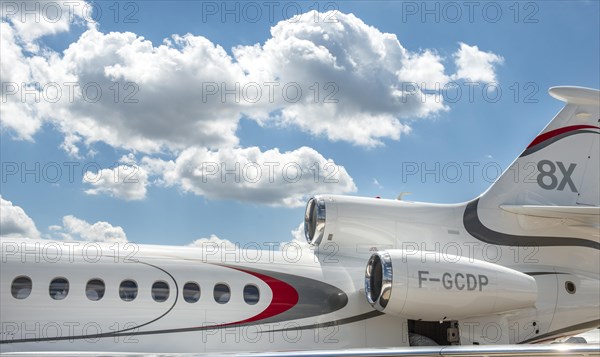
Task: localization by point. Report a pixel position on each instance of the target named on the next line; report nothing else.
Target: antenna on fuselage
(402, 194)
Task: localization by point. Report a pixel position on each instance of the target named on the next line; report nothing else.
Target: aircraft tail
(561, 165)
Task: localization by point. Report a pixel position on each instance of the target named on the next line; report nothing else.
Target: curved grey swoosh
(478, 230)
(314, 297)
(551, 141)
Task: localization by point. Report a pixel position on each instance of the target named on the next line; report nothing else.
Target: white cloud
(298, 240)
(24, 67)
(158, 90)
(15, 223)
(214, 242)
(127, 181)
(119, 89)
(160, 99)
(364, 70)
(77, 229)
(18, 114)
(69, 145)
(476, 65)
(269, 177)
(172, 96)
(38, 18)
(426, 69)
(298, 234)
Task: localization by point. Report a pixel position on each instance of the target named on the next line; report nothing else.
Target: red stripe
(284, 298)
(548, 135)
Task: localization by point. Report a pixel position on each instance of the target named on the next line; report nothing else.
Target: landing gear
(433, 333)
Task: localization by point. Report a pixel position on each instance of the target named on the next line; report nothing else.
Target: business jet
(518, 265)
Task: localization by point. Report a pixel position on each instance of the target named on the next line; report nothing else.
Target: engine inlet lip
(378, 280)
(314, 220)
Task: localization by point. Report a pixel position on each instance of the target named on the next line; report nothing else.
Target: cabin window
(251, 294)
(128, 290)
(191, 292)
(94, 290)
(21, 287)
(160, 291)
(222, 293)
(59, 288)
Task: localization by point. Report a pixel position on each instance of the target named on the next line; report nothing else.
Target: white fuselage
(308, 298)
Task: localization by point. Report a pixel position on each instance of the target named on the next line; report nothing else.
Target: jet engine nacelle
(436, 287)
(354, 224)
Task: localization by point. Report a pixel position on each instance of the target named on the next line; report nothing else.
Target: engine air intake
(314, 220)
(378, 280)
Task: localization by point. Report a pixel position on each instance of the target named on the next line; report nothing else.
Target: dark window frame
(154, 291)
(226, 294)
(15, 293)
(100, 295)
(122, 292)
(54, 292)
(251, 302)
(191, 299)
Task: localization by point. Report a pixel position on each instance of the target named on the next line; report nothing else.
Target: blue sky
(522, 48)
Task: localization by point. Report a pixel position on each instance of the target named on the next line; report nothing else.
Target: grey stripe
(314, 297)
(475, 228)
(543, 273)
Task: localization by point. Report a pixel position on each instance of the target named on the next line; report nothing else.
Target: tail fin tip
(576, 95)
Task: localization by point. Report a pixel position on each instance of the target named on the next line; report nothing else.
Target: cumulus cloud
(476, 65)
(244, 174)
(75, 229)
(160, 103)
(360, 72)
(342, 80)
(298, 233)
(127, 181)
(24, 64)
(184, 98)
(249, 174)
(426, 69)
(35, 19)
(15, 223)
(214, 242)
(20, 115)
(119, 89)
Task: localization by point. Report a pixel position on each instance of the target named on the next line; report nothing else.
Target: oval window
(191, 292)
(160, 291)
(251, 294)
(222, 293)
(59, 288)
(94, 290)
(128, 290)
(21, 287)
